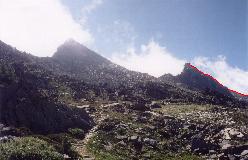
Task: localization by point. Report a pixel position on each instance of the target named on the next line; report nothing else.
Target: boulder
(122, 137)
(5, 139)
(133, 138)
(199, 145)
(139, 106)
(155, 105)
(244, 153)
(121, 143)
(237, 150)
(230, 133)
(108, 147)
(231, 157)
(225, 144)
(151, 142)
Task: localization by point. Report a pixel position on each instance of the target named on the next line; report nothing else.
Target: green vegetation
(184, 156)
(76, 132)
(127, 118)
(96, 146)
(48, 147)
(65, 94)
(174, 109)
(62, 143)
(28, 148)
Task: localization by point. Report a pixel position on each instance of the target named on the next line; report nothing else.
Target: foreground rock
(153, 134)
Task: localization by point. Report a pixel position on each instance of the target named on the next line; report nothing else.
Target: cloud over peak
(150, 58)
(156, 60)
(232, 77)
(40, 26)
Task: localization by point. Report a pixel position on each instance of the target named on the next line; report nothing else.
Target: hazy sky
(155, 37)
(187, 28)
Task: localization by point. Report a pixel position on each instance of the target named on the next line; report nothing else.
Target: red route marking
(208, 75)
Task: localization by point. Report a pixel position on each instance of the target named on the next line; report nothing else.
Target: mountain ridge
(208, 75)
(83, 104)
(64, 78)
(191, 78)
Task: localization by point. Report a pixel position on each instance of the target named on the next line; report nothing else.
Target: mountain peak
(72, 48)
(78, 59)
(72, 42)
(188, 68)
(195, 79)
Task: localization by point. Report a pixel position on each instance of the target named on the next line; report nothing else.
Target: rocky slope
(77, 61)
(82, 63)
(169, 131)
(122, 114)
(30, 96)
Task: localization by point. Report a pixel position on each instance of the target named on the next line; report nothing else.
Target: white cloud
(156, 60)
(152, 59)
(91, 6)
(232, 77)
(39, 26)
(87, 9)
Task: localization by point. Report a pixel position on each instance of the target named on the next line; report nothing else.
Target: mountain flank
(79, 105)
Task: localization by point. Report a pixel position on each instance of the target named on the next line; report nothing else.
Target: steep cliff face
(193, 79)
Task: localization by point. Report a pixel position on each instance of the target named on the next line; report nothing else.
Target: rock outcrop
(191, 78)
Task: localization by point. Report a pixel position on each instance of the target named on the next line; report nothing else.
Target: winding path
(80, 146)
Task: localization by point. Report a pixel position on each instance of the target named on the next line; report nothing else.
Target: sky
(154, 37)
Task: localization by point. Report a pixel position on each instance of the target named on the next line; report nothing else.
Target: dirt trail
(80, 146)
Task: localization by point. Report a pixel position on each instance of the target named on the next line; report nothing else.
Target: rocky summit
(193, 79)
(79, 105)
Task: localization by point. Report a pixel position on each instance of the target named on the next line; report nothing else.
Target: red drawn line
(208, 75)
